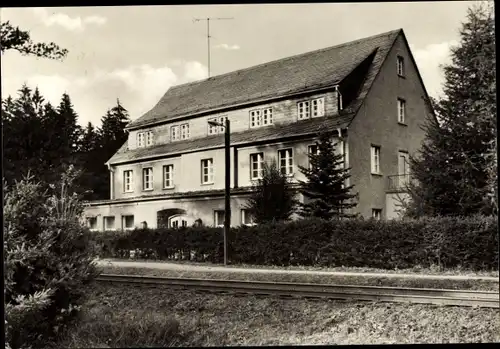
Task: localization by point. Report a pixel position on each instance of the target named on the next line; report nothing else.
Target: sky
(135, 53)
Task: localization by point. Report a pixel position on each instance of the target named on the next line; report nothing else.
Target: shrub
(47, 261)
(448, 242)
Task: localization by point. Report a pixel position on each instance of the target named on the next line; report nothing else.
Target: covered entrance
(172, 218)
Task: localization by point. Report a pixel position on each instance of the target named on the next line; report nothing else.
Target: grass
(433, 270)
(140, 316)
(311, 278)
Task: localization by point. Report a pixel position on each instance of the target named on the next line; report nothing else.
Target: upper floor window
(168, 176)
(214, 129)
(174, 133)
(401, 110)
(401, 66)
(149, 138)
(207, 171)
(286, 161)
(312, 149)
(184, 131)
(140, 140)
(375, 159)
(147, 178)
(256, 165)
(311, 108)
(128, 181)
(261, 117)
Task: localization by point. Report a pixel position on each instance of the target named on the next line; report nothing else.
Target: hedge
(449, 242)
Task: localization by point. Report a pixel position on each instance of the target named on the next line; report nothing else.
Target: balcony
(398, 183)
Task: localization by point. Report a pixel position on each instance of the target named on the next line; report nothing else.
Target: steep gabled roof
(292, 75)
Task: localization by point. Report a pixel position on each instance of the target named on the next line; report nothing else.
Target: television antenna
(208, 19)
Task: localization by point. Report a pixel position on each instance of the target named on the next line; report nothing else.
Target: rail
(398, 183)
(487, 299)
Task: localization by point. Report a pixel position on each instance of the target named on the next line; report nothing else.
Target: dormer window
(174, 133)
(184, 131)
(311, 108)
(140, 140)
(214, 129)
(144, 139)
(261, 117)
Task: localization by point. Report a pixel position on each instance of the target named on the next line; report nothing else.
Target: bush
(47, 261)
(448, 242)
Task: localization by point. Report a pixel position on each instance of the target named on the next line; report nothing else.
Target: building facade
(171, 170)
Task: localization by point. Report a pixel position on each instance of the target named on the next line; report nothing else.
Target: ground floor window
(376, 214)
(219, 218)
(128, 222)
(92, 223)
(247, 218)
(109, 222)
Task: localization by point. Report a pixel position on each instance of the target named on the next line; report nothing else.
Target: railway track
(485, 299)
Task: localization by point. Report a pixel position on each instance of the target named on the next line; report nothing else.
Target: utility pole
(208, 19)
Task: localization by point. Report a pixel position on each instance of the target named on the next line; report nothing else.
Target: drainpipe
(111, 182)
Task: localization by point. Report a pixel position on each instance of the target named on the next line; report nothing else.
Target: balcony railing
(398, 183)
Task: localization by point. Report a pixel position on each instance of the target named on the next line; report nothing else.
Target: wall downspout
(111, 182)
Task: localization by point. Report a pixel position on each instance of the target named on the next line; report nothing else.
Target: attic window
(261, 117)
(311, 108)
(140, 139)
(401, 66)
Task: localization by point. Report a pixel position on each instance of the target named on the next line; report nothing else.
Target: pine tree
(325, 191)
(456, 168)
(112, 136)
(273, 198)
(23, 136)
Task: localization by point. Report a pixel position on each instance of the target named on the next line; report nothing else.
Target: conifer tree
(325, 191)
(273, 198)
(455, 171)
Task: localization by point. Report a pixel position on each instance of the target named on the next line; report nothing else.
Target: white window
(318, 107)
(286, 161)
(267, 116)
(304, 111)
(168, 176)
(128, 184)
(401, 66)
(376, 214)
(247, 218)
(255, 118)
(174, 133)
(219, 218)
(109, 223)
(312, 149)
(375, 159)
(401, 110)
(140, 139)
(207, 171)
(92, 223)
(314, 108)
(256, 165)
(213, 129)
(149, 138)
(128, 222)
(261, 117)
(147, 178)
(184, 131)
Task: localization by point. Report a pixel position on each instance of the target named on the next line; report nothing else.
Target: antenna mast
(208, 19)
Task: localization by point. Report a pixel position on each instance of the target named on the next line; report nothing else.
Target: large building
(170, 172)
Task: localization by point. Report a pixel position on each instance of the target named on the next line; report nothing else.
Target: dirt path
(229, 269)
